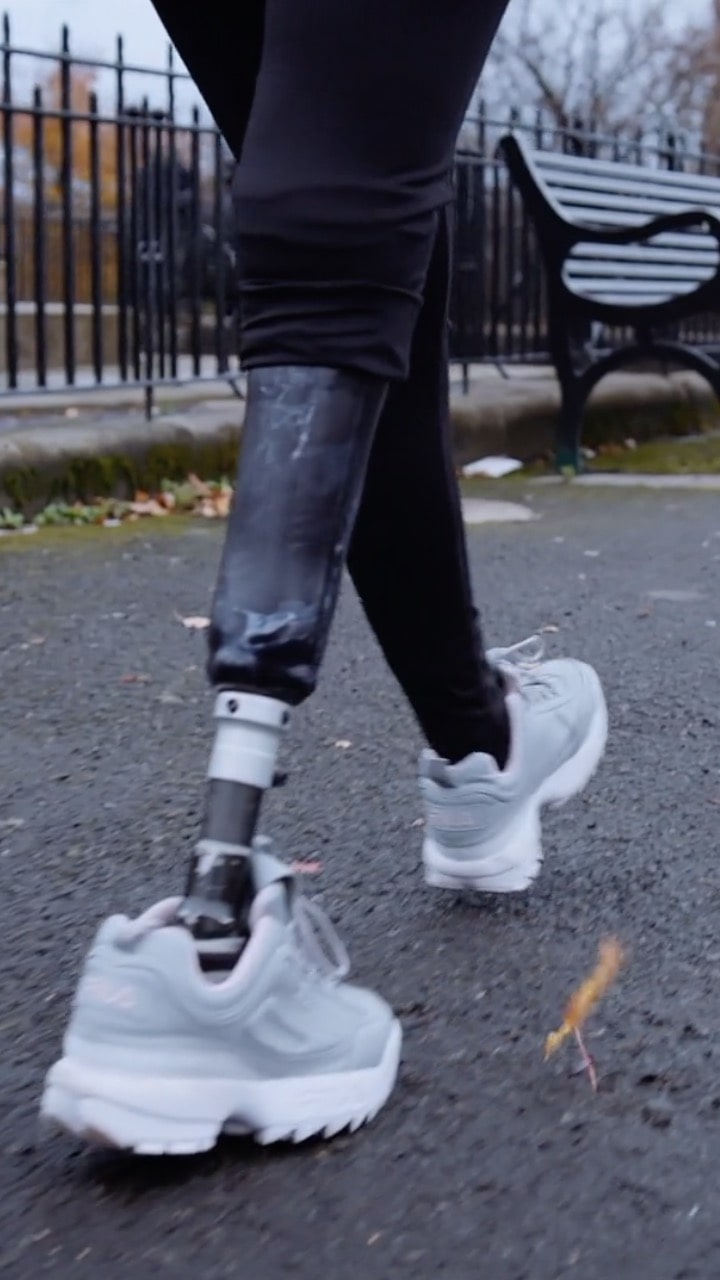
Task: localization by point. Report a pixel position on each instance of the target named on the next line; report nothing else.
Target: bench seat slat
(649, 252)
(577, 267)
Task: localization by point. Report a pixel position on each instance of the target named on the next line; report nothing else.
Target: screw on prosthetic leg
(220, 887)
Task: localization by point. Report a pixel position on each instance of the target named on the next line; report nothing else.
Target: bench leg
(567, 438)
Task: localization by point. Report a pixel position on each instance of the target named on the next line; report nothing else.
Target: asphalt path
(488, 1162)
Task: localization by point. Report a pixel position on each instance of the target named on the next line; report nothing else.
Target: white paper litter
(495, 467)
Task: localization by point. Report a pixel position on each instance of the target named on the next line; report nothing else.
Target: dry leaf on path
(582, 1002)
(202, 490)
(146, 506)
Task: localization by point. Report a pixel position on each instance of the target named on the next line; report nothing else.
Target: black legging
(344, 117)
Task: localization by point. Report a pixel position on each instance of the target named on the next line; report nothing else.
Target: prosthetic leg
(307, 439)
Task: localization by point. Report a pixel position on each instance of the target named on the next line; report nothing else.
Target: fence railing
(116, 256)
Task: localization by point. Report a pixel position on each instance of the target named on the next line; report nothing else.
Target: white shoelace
(318, 942)
(522, 665)
(523, 656)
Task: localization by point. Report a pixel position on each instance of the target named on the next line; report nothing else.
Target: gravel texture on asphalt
(487, 1162)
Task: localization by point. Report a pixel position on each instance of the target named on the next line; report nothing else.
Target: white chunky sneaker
(482, 824)
(159, 1059)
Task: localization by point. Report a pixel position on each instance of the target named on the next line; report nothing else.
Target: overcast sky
(94, 25)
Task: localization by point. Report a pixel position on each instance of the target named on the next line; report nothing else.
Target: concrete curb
(62, 459)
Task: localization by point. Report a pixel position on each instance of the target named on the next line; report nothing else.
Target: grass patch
(677, 457)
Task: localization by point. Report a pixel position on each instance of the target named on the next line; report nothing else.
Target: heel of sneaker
(507, 864)
(123, 1113)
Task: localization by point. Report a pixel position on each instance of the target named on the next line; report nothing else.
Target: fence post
(10, 252)
(120, 187)
(66, 188)
(39, 237)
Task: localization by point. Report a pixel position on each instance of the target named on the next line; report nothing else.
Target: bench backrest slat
(609, 194)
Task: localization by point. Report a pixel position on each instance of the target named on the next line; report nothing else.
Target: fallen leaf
(611, 957)
(147, 507)
(202, 490)
(196, 622)
(222, 503)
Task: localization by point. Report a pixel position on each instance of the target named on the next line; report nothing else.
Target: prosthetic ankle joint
(242, 767)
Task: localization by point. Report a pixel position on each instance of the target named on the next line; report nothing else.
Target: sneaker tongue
(273, 881)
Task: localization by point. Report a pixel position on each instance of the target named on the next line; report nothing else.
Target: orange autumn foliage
(82, 83)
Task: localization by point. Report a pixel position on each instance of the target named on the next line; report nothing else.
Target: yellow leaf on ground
(582, 1002)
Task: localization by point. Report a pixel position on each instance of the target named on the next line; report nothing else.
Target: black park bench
(627, 248)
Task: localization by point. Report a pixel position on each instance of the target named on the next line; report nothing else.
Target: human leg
(337, 219)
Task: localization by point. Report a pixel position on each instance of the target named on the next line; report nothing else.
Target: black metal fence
(116, 258)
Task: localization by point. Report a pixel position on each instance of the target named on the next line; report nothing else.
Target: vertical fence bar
(159, 263)
(170, 212)
(220, 256)
(123, 284)
(511, 236)
(480, 184)
(195, 232)
(66, 186)
(132, 274)
(95, 239)
(495, 259)
(10, 247)
(39, 236)
(147, 255)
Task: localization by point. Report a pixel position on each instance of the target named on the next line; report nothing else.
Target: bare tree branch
(617, 65)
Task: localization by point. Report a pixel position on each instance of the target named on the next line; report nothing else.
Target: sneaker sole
(510, 862)
(171, 1116)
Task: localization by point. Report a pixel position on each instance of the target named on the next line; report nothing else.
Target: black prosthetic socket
(306, 442)
(307, 438)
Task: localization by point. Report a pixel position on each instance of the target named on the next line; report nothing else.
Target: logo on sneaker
(104, 991)
(449, 819)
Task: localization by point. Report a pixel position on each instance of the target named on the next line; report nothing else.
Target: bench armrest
(560, 235)
(700, 218)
